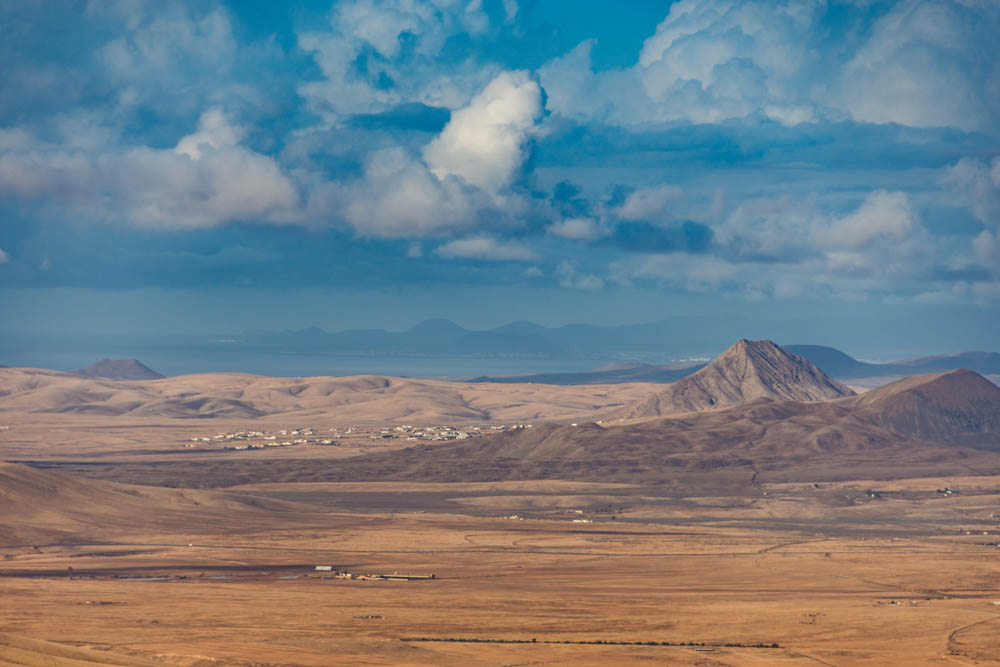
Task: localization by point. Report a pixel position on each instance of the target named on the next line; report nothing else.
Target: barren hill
(746, 371)
(120, 369)
(349, 399)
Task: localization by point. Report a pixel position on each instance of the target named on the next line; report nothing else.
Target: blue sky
(191, 167)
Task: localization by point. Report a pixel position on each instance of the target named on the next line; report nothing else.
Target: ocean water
(179, 357)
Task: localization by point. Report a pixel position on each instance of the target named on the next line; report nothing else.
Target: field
(830, 575)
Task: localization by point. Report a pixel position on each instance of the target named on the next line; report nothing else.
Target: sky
(192, 167)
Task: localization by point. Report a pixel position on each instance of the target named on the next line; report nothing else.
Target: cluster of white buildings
(251, 439)
(262, 439)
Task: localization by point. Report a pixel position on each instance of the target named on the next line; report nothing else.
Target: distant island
(120, 369)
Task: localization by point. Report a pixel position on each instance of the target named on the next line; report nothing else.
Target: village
(258, 439)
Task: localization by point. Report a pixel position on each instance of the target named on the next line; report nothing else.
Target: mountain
(843, 366)
(120, 369)
(746, 371)
(981, 362)
(433, 331)
(838, 364)
(614, 373)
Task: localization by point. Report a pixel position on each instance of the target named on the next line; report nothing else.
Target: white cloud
(462, 177)
(708, 61)
(158, 47)
(415, 251)
(693, 272)
(484, 247)
(976, 185)
(769, 229)
(484, 142)
(649, 203)
(214, 132)
(380, 25)
(922, 64)
(578, 229)
(207, 180)
(783, 247)
(4, 257)
(888, 216)
(987, 248)
(569, 277)
(398, 197)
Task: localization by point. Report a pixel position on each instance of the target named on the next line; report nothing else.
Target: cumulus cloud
(696, 273)
(484, 247)
(919, 64)
(206, 180)
(578, 229)
(706, 62)
(215, 131)
(4, 257)
(986, 247)
(484, 142)
(923, 65)
(649, 203)
(888, 216)
(462, 176)
(571, 278)
(366, 68)
(976, 184)
(398, 197)
(785, 247)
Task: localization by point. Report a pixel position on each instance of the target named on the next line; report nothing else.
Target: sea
(185, 355)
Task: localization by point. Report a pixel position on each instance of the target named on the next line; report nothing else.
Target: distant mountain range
(522, 339)
(672, 337)
(830, 360)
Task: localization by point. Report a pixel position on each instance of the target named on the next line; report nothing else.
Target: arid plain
(739, 535)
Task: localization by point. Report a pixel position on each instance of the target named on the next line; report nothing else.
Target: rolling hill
(347, 399)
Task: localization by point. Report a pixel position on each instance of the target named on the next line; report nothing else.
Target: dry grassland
(252, 597)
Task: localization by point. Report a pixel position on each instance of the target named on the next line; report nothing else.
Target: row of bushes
(602, 642)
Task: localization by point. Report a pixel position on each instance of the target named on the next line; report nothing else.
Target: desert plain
(130, 534)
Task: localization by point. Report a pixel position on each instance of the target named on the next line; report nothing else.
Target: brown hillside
(39, 506)
(959, 407)
(747, 371)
